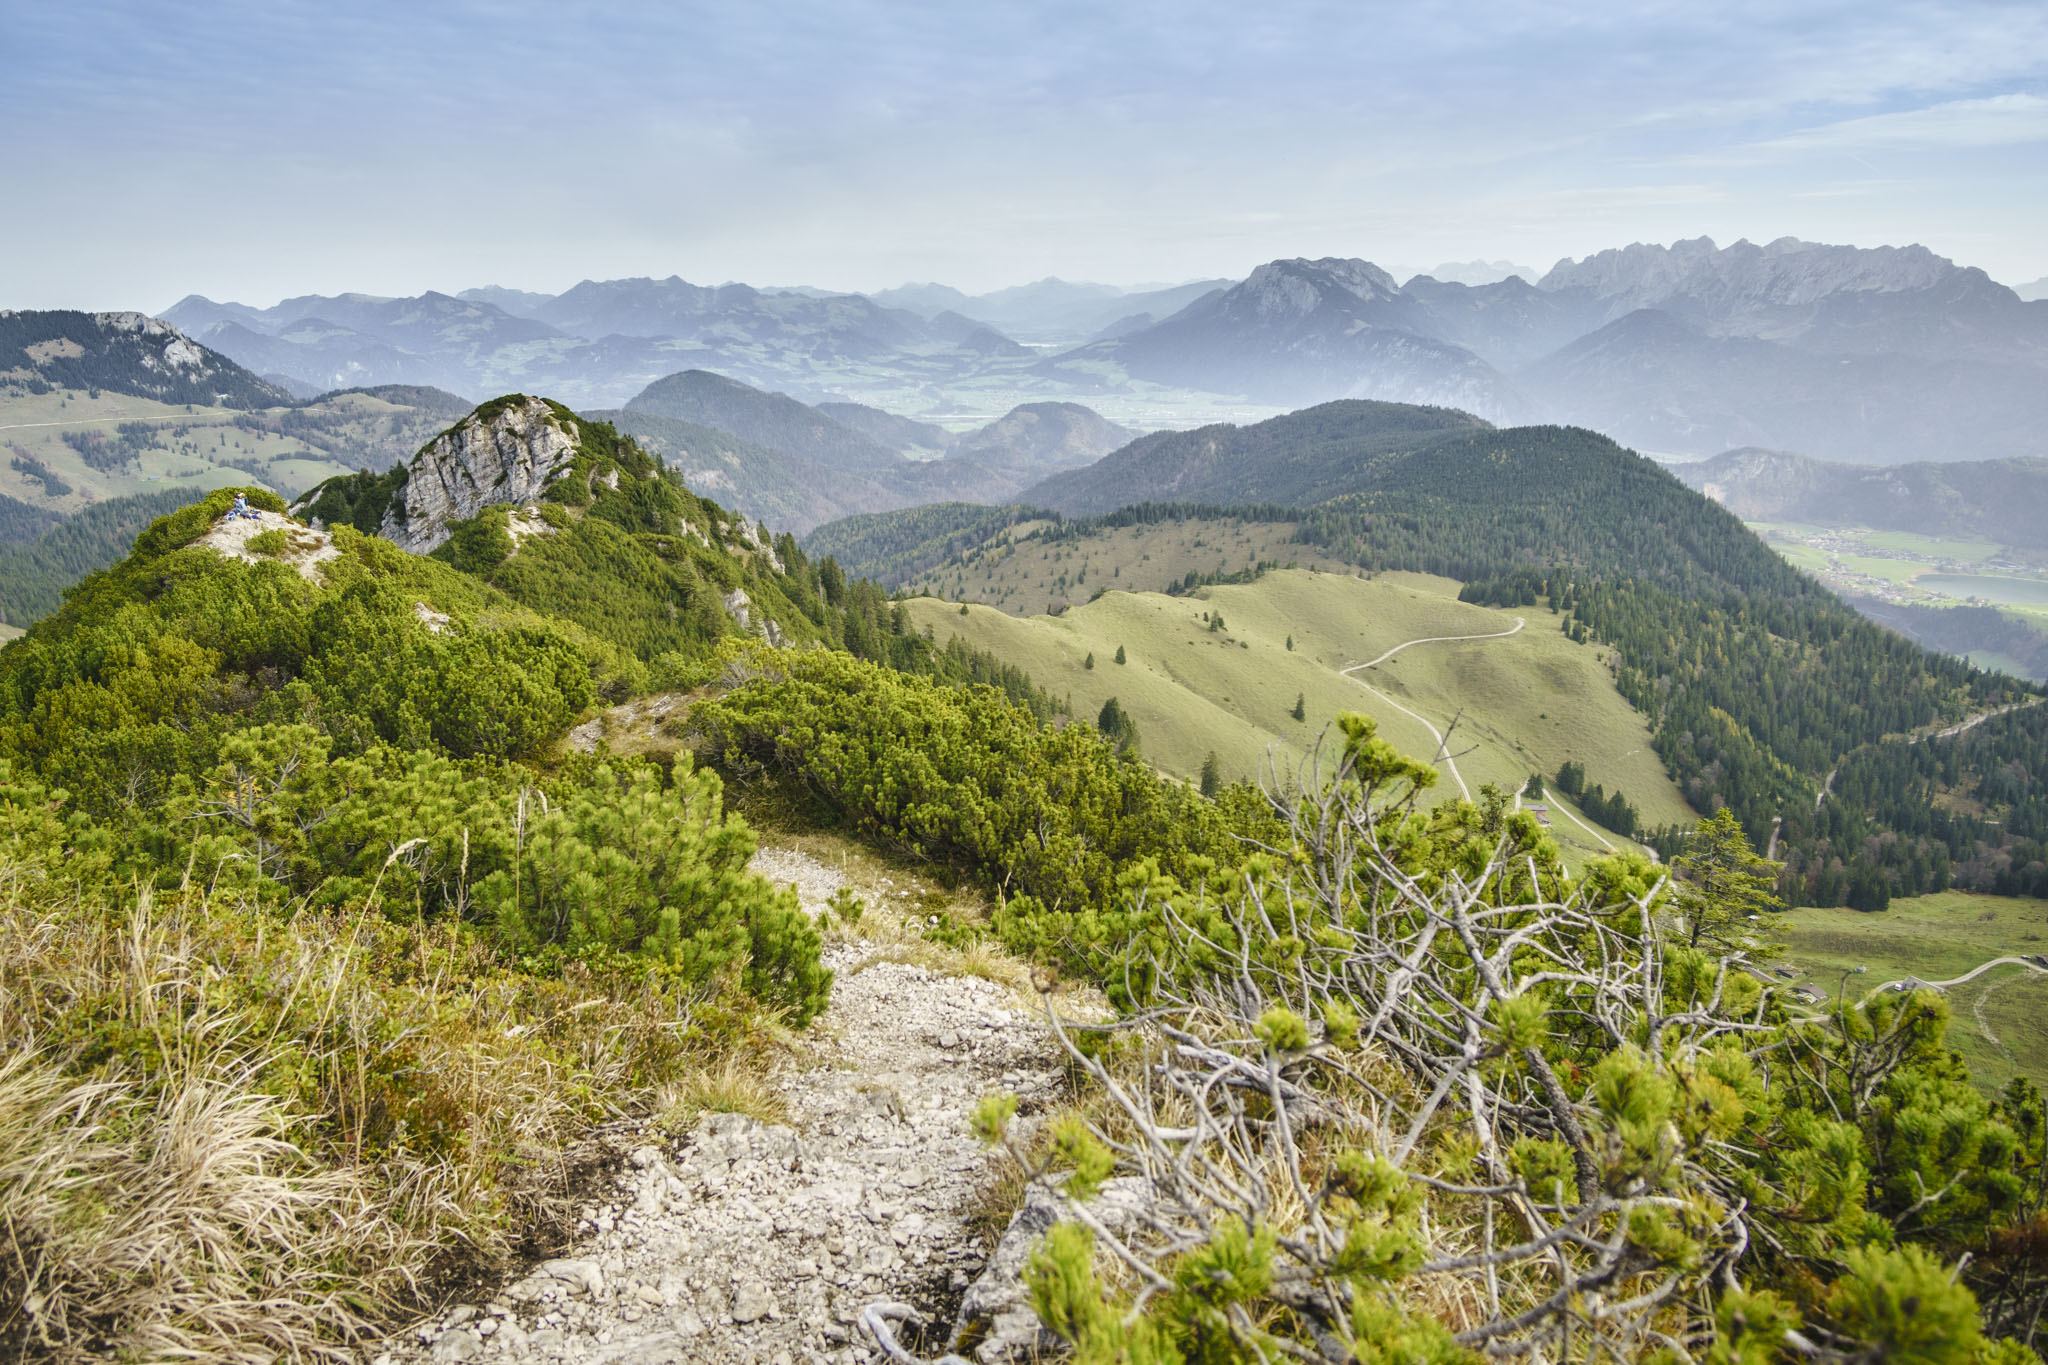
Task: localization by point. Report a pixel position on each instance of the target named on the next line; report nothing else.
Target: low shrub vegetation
(1396, 1087)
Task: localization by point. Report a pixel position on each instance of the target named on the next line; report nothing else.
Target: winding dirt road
(1443, 752)
(1827, 786)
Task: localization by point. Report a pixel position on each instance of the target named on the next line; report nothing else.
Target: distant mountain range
(1479, 272)
(1297, 332)
(797, 466)
(1054, 311)
(1881, 355)
(2004, 501)
(601, 342)
(1884, 355)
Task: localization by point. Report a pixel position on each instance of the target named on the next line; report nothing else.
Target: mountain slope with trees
(122, 353)
(1300, 458)
(1756, 680)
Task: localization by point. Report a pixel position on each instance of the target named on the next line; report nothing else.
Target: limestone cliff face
(501, 454)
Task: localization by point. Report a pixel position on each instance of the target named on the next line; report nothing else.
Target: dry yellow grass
(228, 1133)
(730, 1085)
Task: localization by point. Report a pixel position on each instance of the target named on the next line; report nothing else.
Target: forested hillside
(1303, 457)
(894, 547)
(1756, 680)
(33, 576)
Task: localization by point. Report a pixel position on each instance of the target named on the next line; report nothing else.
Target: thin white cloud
(1994, 121)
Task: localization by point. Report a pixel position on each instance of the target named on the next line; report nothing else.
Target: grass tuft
(230, 1132)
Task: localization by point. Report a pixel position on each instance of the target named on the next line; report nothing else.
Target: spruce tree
(1212, 775)
(1120, 654)
(1300, 711)
(1723, 890)
(1116, 723)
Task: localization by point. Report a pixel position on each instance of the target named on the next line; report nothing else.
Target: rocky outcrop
(296, 545)
(995, 1318)
(740, 608)
(1719, 282)
(503, 453)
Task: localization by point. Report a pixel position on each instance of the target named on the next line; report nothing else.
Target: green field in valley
(2000, 1020)
(1524, 703)
(168, 445)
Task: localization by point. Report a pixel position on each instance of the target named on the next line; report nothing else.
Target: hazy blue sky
(253, 150)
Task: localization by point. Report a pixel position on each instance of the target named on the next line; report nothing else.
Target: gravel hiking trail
(750, 1241)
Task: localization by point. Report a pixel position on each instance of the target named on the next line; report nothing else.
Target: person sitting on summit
(242, 509)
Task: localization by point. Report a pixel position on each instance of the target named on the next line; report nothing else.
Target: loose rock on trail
(751, 1241)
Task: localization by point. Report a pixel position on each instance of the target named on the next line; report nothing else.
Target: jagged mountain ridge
(1887, 354)
(1783, 272)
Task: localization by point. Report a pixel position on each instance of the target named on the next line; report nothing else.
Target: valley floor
(761, 1236)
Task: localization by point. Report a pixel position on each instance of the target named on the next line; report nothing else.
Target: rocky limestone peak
(1296, 287)
(506, 452)
(166, 346)
(1786, 271)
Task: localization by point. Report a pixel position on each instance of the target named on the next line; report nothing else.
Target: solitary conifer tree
(1725, 893)
(1116, 723)
(1300, 706)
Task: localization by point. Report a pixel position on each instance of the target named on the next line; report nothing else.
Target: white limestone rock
(509, 457)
